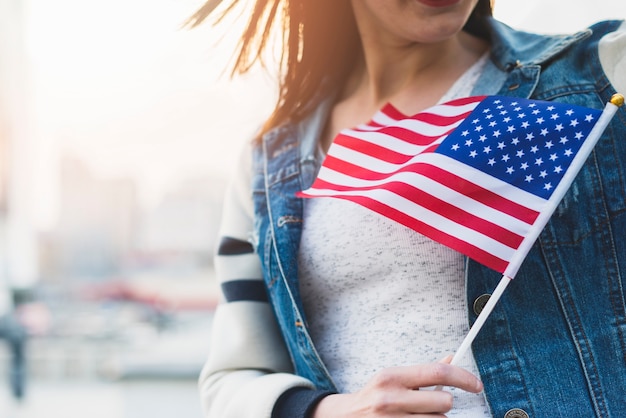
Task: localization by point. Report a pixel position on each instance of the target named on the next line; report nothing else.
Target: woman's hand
(394, 392)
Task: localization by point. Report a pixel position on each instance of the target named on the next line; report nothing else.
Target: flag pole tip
(618, 100)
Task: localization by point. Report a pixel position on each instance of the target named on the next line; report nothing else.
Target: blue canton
(526, 143)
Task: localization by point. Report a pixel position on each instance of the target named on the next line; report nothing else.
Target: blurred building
(184, 225)
(95, 231)
(103, 234)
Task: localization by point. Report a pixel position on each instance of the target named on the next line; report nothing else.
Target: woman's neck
(411, 76)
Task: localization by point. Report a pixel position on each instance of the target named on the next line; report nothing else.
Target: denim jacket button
(480, 303)
(516, 413)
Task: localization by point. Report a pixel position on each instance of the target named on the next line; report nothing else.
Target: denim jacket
(555, 345)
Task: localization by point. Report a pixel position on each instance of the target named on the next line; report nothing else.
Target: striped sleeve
(248, 368)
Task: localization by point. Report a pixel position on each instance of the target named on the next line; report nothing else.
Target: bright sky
(121, 86)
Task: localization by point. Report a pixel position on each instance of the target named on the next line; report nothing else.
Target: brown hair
(320, 42)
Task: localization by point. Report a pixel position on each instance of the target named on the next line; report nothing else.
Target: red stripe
(465, 100)
(401, 134)
(390, 111)
(444, 177)
(441, 207)
(453, 242)
(479, 193)
(373, 150)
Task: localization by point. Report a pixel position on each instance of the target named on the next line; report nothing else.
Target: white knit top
(378, 294)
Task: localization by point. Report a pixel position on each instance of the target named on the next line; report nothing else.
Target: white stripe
(417, 126)
(426, 216)
(464, 171)
(444, 110)
(381, 118)
(482, 179)
(437, 190)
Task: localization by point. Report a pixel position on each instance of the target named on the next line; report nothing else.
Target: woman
(331, 310)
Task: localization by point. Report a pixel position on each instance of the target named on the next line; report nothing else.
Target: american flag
(476, 174)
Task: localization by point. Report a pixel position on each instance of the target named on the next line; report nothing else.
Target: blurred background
(118, 132)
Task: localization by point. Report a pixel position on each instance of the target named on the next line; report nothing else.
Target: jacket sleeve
(612, 51)
(248, 367)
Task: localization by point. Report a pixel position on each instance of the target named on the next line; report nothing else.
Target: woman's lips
(439, 3)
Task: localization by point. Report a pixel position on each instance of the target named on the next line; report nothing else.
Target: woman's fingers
(427, 375)
(396, 392)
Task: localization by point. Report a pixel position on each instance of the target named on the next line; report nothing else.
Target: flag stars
(579, 135)
(530, 136)
(473, 154)
(506, 158)
(568, 152)
(491, 162)
(475, 121)
(569, 112)
(455, 147)
(510, 170)
(469, 143)
(496, 134)
(550, 108)
(501, 145)
(520, 153)
(487, 149)
(588, 118)
(549, 145)
(482, 138)
(574, 123)
(506, 120)
(534, 149)
(548, 186)
(543, 174)
(465, 133)
(558, 127)
(536, 112)
(524, 166)
(563, 140)
(553, 157)
(493, 123)
(554, 116)
(510, 128)
(479, 128)
(525, 125)
(544, 132)
(558, 169)
(521, 115)
(528, 178)
(515, 141)
(539, 161)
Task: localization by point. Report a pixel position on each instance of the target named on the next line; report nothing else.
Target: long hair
(320, 43)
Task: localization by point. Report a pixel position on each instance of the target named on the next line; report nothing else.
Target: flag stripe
(339, 181)
(484, 188)
(390, 115)
(452, 237)
(434, 204)
(463, 187)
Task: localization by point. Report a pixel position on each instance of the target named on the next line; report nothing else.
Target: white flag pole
(609, 111)
(480, 321)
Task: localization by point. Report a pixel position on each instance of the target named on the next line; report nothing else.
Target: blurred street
(113, 354)
(93, 399)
